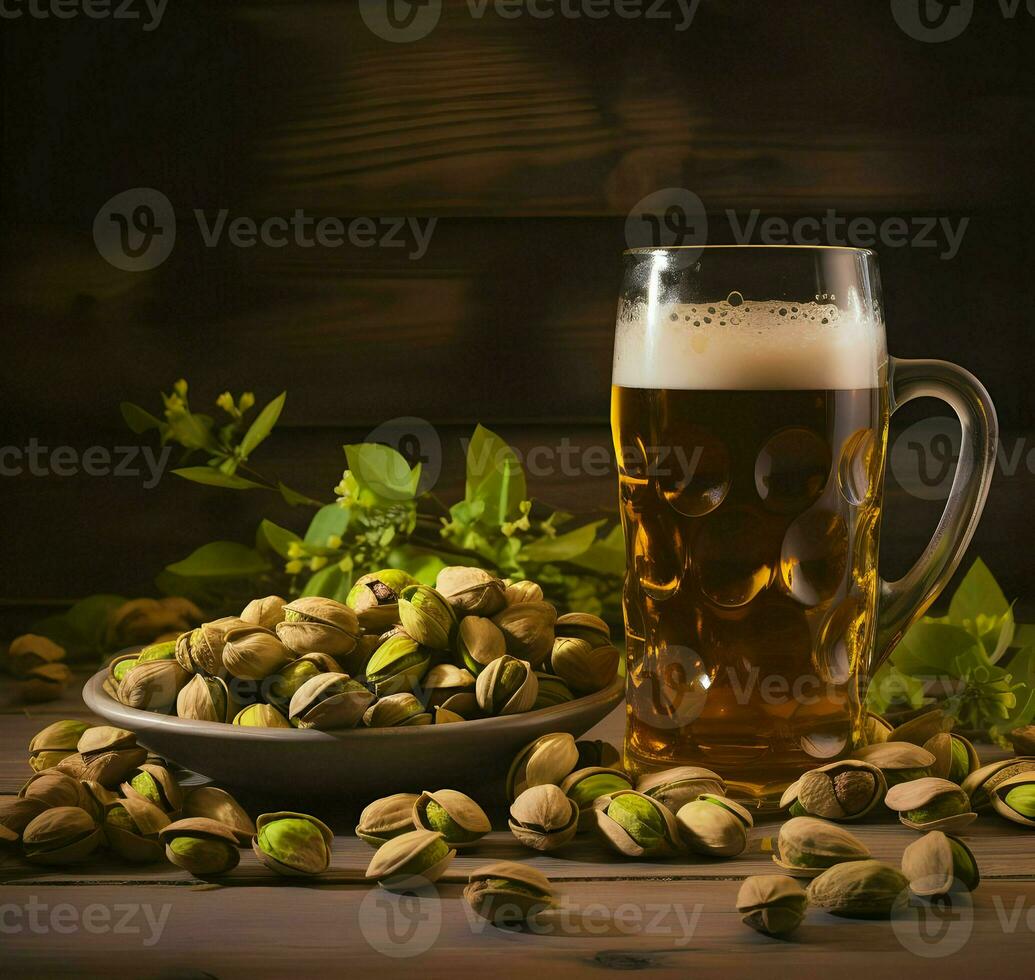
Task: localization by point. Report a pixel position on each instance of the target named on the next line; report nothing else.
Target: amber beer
(751, 441)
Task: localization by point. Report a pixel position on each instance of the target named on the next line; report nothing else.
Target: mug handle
(902, 603)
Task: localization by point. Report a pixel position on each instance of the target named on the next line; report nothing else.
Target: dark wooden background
(530, 141)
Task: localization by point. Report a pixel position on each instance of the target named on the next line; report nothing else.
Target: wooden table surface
(112, 919)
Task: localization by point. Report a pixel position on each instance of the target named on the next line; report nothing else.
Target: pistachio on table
(954, 757)
(508, 893)
(157, 785)
(201, 846)
(586, 786)
(460, 821)
(106, 755)
(549, 759)
(774, 905)
(899, 761)
(681, 784)
(386, 818)
(16, 814)
(212, 803)
(292, 843)
(858, 889)
(55, 742)
(131, 828)
(635, 825)
(922, 728)
(930, 804)
(936, 863)
(54, 788)
(543, 818)
(411, 860)
(845, 790)
(714, 826)
(1014, 799)
(806, 846)
(61, 835)
(980, 783)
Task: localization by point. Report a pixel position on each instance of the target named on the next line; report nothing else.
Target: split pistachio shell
(201, 846)
(15, 815)
(527, 629)
(386, 818)
(329, 702)
(807, 846)
(774, 905)
(846, 790)
(921, 729)
(899, 761)
(516, 593)
(460, 821)
(1023, 740)
(261, 716)
(875, 729)
(427, 617)
(212, 803)
(53, 788)
(506, 686)
(266, 612)
(253, 653)
(470, 591)
(480, 641)
(394, 711)
(552, 691)
(61, 835)
(585, 786)
(674, 787)
(463, 706)
(205, 698)
(980, 783)
(634, 825)
(119, 666)
(152, 686)
(859, 890)
(157, 785)
(543, 818)
(398, 665)
(714, 826)
(411, 860)
(55, 742)
(549, 759)
(443, 716)
(444, 680)
(586, 668)
(30, 651)
(313, 623)
(131, 828)
(583, 626)
(1014, 799)
(954, 757)
(375, 598)
(935, 863)
(106, 755)
(508, 893)
(292, 843)
(930, 804)
(201, 650)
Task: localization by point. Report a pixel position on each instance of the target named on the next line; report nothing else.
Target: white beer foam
(751, 346)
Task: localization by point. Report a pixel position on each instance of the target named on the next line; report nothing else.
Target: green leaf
(296, 499)
(263, 425)
(221, 559)
(277, 537)
(216, 478)
(383, 471)
(562, 547)
(978, 595)
(494, 476)
(138, 419)
(330, 583)
(328, 520)
(192, 431)
(932, 649)
(607, 556)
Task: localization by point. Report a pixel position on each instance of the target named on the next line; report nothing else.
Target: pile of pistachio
(395, 653)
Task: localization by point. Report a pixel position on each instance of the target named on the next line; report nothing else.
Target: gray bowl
(357, 765)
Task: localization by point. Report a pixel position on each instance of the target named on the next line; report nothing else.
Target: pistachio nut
(806, 846)
(427, 617)
(261, 716)
(97, 800)
(152, 685)
(375, 597)
(585, 668)
(936, 863)
(265, 612)
(313, 623)
(460, 821)
(30, 652)
(1014, 799)
(281, 687)
(922, 728)
(55, 742)
(875, 729)
(54, 788)
(516, 593)
(584, 626)
(61, 835)
(444, 680)
(201, 650)
(954, 757)
(596, 752)
(774, 905)
(212, 803)
(980, 783)
(506, 687)
(411, 860)
(714, 826)
(292, 843)
(384, 819)
(46, 683)
(899, 761)
(552, 691)
(119, 666)
(165, 650)
(527, 629)
(930, 804)
(131, 828)
(508, 893)
(443, 716)
(396, 710)
(329, 702)
(464, 706)
(157, 785)
(845, 790)
(682, 784)
(587, 785)
(200, 846)
(205, 698)
(399, 664)
(543, 818)
(253, 653)
(471, 591)
(858, 890)
(1023, 740)
(142, 620)
(105, 738)
(549, 759)
(355, 663)
(15, 815)
(634, 825)
(106, 755)
(479, 642)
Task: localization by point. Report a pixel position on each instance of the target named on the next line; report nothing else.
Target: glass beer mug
(750, 403)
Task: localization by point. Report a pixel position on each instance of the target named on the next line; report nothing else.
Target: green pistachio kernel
(158, 651)
(963, 866)
(639, 818)
(118, 816)
(436, 851)
(1022, 799)
(204, 856)
(959, 768)
(585, 791)
(144, 783)
(294, 842)
(123, 667)
(438, 819)
(895, 776)
(947, 805)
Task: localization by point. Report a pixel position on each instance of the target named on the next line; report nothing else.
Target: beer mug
(751, 392)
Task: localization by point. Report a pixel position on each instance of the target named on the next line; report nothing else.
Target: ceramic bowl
(359, 764)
